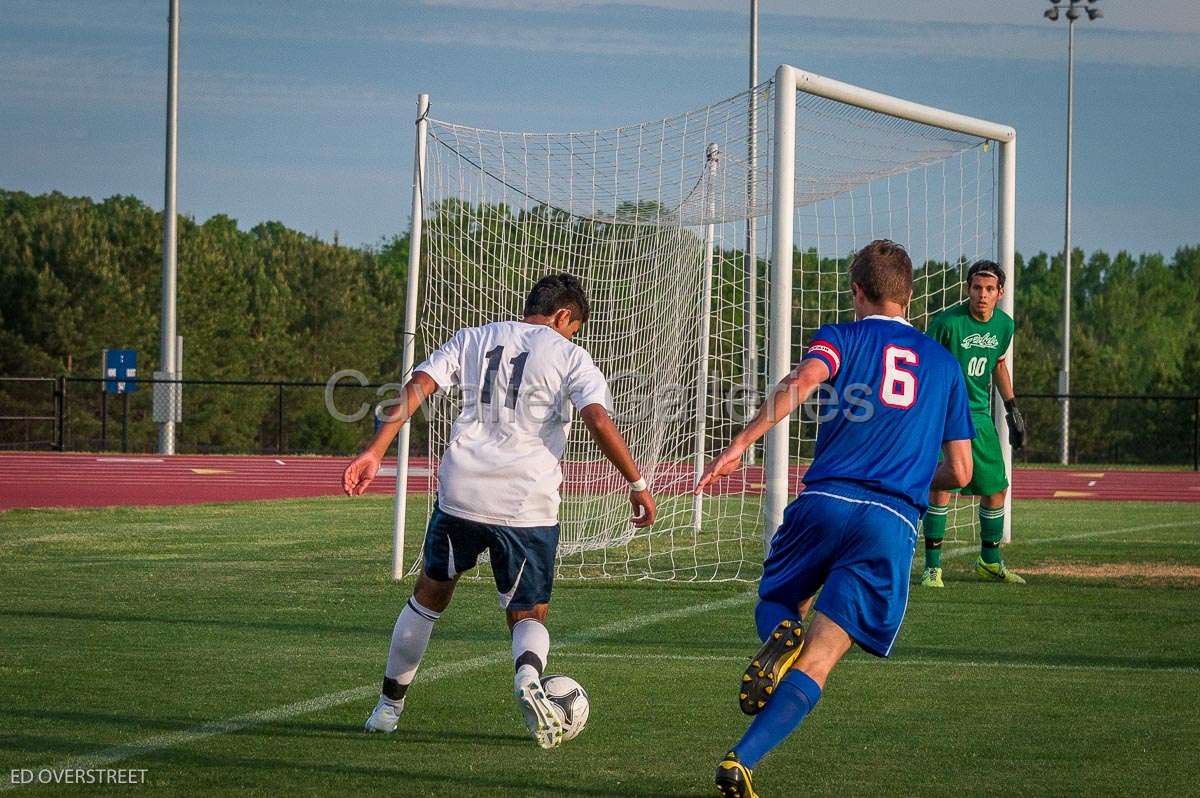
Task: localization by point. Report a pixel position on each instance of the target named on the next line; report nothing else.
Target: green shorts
(987, 476)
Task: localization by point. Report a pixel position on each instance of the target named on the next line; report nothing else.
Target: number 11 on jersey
(494, 356)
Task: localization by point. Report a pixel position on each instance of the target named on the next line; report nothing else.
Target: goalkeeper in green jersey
(978, 333)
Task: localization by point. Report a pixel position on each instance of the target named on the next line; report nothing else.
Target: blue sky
(302, 111)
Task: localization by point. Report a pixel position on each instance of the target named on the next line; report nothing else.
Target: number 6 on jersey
(899, 386)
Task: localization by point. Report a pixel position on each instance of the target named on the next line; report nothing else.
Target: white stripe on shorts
(506, 598)
(861, 501)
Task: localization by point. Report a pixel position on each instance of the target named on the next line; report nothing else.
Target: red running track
(90, 480)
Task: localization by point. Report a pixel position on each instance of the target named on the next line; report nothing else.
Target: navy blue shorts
(855, 546)
(522, 557)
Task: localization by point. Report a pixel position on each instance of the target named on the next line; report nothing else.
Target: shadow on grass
(71, 716)
(952, 656)
(43, 745)
(635, 646)
(274, 626)
(56, 748)
(381, 629)
(413, 779)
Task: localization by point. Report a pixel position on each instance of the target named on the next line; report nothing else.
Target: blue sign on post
(120, 371)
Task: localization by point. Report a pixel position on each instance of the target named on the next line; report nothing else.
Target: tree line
(78, 276)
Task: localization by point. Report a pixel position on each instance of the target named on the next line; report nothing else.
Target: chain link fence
(1118, 429)
(31, 413)
(216, 416)
(297, 417)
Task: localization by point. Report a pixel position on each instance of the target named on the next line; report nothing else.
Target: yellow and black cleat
(733, 778)
(770, 665)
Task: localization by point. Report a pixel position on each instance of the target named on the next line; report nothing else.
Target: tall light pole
(167, 364)
(1072, 10)
(750, 256)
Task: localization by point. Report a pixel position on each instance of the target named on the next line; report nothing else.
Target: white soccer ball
(570, 703)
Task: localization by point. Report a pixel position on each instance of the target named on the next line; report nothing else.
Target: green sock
(934, 527)
(991, 531)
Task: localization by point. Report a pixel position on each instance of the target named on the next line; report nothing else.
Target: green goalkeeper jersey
(977, 346)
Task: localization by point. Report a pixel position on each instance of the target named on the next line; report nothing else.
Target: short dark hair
(883, 270)
(555, 292)
(988, 268)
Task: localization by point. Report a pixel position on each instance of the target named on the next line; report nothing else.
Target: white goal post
(653, 217)
(788, 81)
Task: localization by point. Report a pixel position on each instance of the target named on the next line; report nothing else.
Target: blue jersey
(896, 396)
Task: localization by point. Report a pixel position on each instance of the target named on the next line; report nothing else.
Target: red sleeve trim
(827, 352)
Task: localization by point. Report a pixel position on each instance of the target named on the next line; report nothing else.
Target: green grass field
(240, 647)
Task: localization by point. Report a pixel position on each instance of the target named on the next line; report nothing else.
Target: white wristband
(639, 486)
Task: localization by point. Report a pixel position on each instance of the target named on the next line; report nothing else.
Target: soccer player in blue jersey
(898, 398)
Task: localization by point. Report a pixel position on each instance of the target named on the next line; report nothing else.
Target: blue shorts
(522, 557)
(854, 545)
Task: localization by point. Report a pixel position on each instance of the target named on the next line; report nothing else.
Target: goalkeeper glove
(1016, 423)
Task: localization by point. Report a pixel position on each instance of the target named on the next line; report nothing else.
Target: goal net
(660, 221)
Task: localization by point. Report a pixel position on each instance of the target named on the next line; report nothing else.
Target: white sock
(410, 636)
(530, 650)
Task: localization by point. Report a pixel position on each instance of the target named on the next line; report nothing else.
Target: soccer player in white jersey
(498, 482)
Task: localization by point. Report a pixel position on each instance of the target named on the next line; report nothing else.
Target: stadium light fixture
(1074, 8)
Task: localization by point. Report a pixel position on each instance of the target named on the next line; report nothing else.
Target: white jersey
(519, 382)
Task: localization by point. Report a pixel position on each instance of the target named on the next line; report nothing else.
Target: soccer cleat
(384, 717)
(770, 665)
(733, 778)
(541, 716)
(996, 572)
(932, 577)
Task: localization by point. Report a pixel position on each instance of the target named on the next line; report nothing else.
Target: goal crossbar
(830, 89)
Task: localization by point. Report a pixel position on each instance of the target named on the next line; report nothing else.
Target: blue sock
(794, 698)
(768, 614)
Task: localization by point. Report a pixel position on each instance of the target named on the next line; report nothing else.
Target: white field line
(905, 661)
(960, 550)
(203, 731)
(1144, 542)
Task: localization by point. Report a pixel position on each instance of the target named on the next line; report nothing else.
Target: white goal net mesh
(861, 175)
(653, 219)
